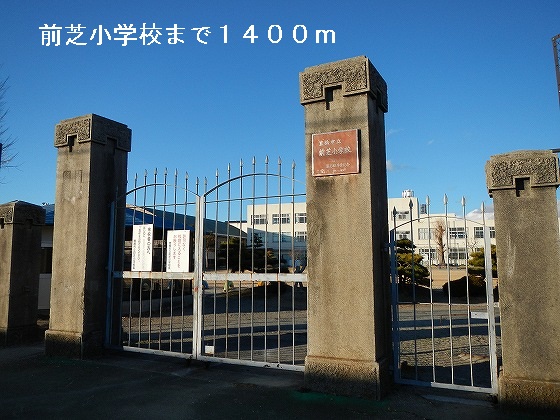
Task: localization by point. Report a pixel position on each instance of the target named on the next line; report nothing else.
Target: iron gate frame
(201, 274)
(490, 307)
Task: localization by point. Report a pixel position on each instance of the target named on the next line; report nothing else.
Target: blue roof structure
(161, 219)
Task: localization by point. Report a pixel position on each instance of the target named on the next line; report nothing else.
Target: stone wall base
(19, 335)
(73, 345)
(529, 393)
(357, 378)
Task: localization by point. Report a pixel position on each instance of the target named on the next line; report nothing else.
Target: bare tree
(439, 234)
(7, 142)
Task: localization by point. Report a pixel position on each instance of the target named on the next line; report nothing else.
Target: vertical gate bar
(171, 283)
(214, 297)
(265, 259)
(445, 202)
(131, 280)
(198, 314)
(240, 257)
(227, 256)
(490, 305)
(253, 180)
(164, 209)
(464, 204)
(410, 207)
(144, 189)
(151, 280)
(395, 300)
(278, 288)
(153, 246)
(183, 281)
(293, 256)
(431, 290)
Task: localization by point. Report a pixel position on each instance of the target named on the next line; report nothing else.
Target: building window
(402, 215)
(301, 217)
(300, 236)
(492, 232)
(403, 234)
(457, 233)
(478, 232)
(423, 209)
(424, 232)
(258, 237)
(258, 219)
(275, 237)
(280, 218)
(428, 253)
(457, 254)
(286, 238)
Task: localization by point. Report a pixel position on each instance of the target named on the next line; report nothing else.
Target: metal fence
(444, 317)
(205, 278)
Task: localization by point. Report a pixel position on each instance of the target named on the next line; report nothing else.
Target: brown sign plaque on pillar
(335, 153)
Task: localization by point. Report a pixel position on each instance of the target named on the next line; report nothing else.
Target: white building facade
(461, 234)
(283, 228)
(279, 227)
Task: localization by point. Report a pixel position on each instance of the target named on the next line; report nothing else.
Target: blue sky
(466, 80)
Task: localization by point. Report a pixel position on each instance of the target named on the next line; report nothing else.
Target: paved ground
(126, 385)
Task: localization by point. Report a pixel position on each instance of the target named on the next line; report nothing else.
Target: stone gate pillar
(91, 168)
(20, 265)
(349, 331)
(523, 186)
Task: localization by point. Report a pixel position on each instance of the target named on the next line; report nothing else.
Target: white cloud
(476, 214)
(390, 166)
(392, 131)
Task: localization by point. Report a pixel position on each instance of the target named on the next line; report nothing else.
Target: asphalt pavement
(132, 385)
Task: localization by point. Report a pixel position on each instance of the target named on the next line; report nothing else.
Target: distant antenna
(555, 47)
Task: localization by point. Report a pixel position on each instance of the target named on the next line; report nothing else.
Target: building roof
(161, 219)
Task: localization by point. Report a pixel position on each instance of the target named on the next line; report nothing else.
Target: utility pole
(555, 47)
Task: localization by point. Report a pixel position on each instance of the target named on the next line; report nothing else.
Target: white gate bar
(256, 277)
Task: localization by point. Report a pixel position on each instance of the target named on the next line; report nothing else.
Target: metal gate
(444, 329)
(217, 274)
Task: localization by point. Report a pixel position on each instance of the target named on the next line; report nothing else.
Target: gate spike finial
(445, 199)
(266, 160)
(463, 201)
(293, 164)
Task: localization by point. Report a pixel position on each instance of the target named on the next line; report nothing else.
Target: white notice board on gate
(142, 247)
(178, 251)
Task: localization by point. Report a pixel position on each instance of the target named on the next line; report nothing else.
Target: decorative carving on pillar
(19, 212)
(355, 75)
(92, 128)
(541, 167)
(7, 213)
